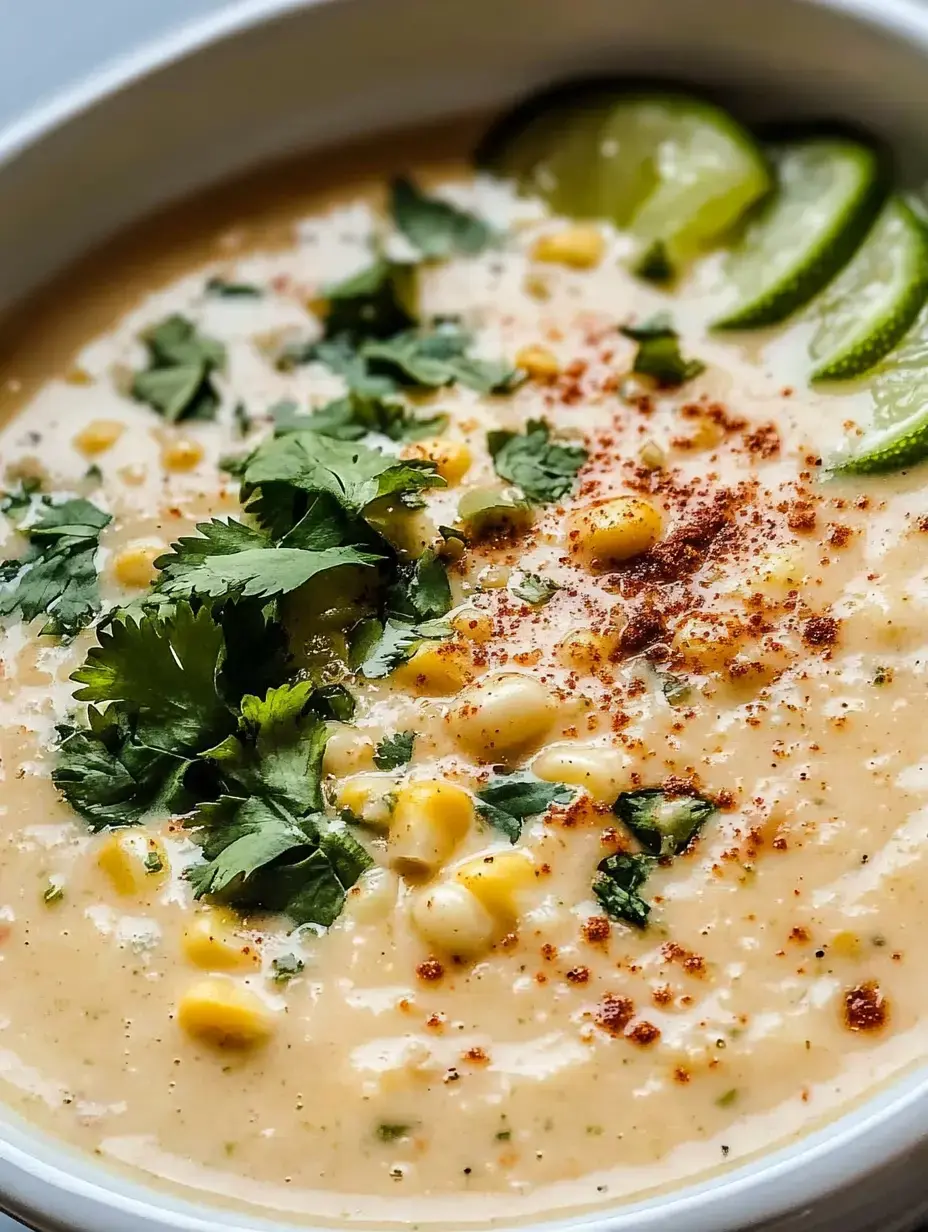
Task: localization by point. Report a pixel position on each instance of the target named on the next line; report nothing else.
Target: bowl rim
(50, 1184)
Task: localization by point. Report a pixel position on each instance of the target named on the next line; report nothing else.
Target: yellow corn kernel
(845, 945)
(497, 878)
(709, 640)
(212, 943)
(133, 863)
(136, 566)
(222, 1012)
(450, 918)
(540, 363)
(614, 530)
(584, 649)
(601, 770)
(98, 436)
(581, 247)
(452, 459)
(502, 715)
(473, 624)
(429, 820)
(369, 798)
(777, 573)
(437, 669)
(181, 454)
(347, 750)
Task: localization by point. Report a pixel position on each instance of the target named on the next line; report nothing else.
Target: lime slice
(674, 170)
(875, 300)
(829, 192)
(899, 387)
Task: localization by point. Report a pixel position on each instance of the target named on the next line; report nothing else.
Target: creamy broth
(574, 1061)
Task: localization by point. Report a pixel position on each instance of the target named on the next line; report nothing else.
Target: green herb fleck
(883, 675)
(390, 1131)
(508, 800)
(543, 469)
(178, 380)
(659, 353)
(728, 1098)
(676, 689)
(533, 589)
(285, 967)
(664, 824)
(18, 500)
(153, 862)
(436, 228)
(226, 289)
(54, 893)
(243, 421)
(616, 885)
(394, 751)
(57, 576)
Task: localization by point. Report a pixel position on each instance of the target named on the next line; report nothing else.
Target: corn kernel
(136, 566)
(98, 436)
(709, 640)
(436, 670)
(181, 455)
(133, 864)
(473, 624)
(497, 878)
(580, 247)
(452, 459)
(450, 918)
(429, 820)
(211, 942)
(369, 798)
(602, 771)
(614, 530)
(584, 649)
(503, 715)
(540, 363)
(224, 1013)
(347, 750)
(845, 944)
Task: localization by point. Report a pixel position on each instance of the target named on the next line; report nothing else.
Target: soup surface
(671, 659)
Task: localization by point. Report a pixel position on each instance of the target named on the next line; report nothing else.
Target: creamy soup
(609, 877)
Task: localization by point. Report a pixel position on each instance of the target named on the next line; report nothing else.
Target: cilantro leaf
(616, 886)
(421, 590)
(439, 358)
(286, 967)
(178, 380)
(57, 576)
(664, 824)
(18, 501)
(376, 302)
(659, 354)
(394, 751)
(277, 751)
(544, 470)
(165, 670)
(508, 800)
(258, 856)
(436, 228)
(351, 418)
(226, 289)
(397, 641)
(353, 474)
(111, 777)
(341, 356)
(533, 589)
(228, 559)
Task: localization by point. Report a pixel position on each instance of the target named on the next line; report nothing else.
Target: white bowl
(272, 76)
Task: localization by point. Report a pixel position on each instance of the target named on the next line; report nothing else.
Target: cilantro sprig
(178, 382)
(57, 575)
(544, 469)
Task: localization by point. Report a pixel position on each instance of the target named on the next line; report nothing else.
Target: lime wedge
(875, 300)
(829, 192)
(674, 170)
(899, 387)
